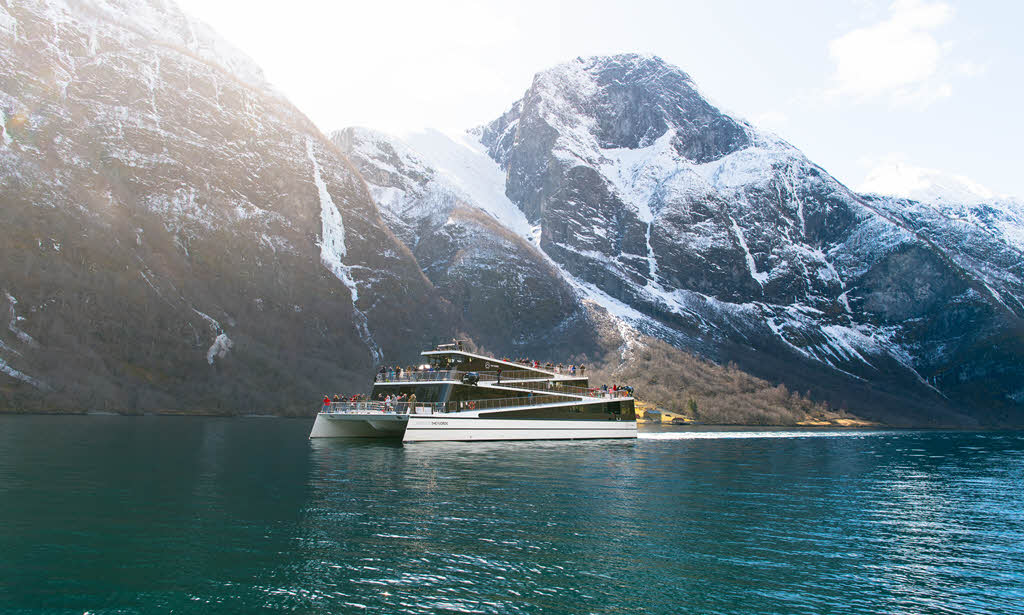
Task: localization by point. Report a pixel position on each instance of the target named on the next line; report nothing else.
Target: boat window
(432, 392)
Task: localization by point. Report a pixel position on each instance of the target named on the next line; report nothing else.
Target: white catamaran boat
(466, 396)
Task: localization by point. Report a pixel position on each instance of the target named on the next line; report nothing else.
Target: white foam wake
(722, 435)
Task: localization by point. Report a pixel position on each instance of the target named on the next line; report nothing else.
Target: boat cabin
(463, 380)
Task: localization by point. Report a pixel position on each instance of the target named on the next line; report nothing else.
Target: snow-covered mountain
(697, 228)
(174, 233)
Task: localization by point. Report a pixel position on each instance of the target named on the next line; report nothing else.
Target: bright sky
(861, 87)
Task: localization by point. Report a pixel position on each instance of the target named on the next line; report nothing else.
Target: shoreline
(131, 413)
(842, 424)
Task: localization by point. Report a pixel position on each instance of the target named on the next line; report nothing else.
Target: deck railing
(418, 375)
(513, 380)
(370, 407)
(367, 407)
(456, 375)
(559, 387)
(518, 374)
(563, 370)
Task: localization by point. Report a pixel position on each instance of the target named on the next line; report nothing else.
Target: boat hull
(440, 428)
(332, 425)
(434, 428)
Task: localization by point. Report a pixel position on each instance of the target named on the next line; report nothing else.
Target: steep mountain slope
(443, 197)
(697, 228)
(173, 233)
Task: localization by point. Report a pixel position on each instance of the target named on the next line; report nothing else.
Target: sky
(874, 92)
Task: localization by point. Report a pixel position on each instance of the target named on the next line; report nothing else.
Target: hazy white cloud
(897, 60)
(921, 95)
(968, 68)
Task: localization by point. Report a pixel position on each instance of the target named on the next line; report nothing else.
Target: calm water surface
(195, 515)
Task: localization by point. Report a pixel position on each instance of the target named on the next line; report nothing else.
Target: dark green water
(191, 515)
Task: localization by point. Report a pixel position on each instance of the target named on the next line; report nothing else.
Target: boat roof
(512, 364)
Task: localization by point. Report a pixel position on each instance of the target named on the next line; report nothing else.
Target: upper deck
(457, 380)
(472, 362)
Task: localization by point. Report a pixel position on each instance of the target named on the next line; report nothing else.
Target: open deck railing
(556, 370)
(456, 375)
(559, 387)
(418, 375)
(369, 407)
(511, 379)
(519, 374)
(365, 407)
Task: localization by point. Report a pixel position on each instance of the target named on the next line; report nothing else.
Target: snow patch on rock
(214, 325)
(758, 276)
(637, 174)
(18, 375)
(221, 342)
(5, 135)
(8, 24)
(14, 319)
(749, 166)
(219, 349)
(332, 250)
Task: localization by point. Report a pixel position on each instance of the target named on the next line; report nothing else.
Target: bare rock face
(175, 235)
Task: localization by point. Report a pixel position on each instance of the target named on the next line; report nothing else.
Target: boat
(462, 396)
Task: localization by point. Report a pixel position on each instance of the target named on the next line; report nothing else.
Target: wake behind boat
(460, 395)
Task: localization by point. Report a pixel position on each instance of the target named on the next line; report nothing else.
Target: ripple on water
(109, 514)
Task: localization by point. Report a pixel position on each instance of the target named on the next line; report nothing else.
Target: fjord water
(105, 514)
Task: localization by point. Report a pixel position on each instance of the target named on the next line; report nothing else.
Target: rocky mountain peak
(642, 96)
(591, 108)
(620, 101)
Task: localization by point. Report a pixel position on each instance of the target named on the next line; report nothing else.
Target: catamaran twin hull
(412, 428)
